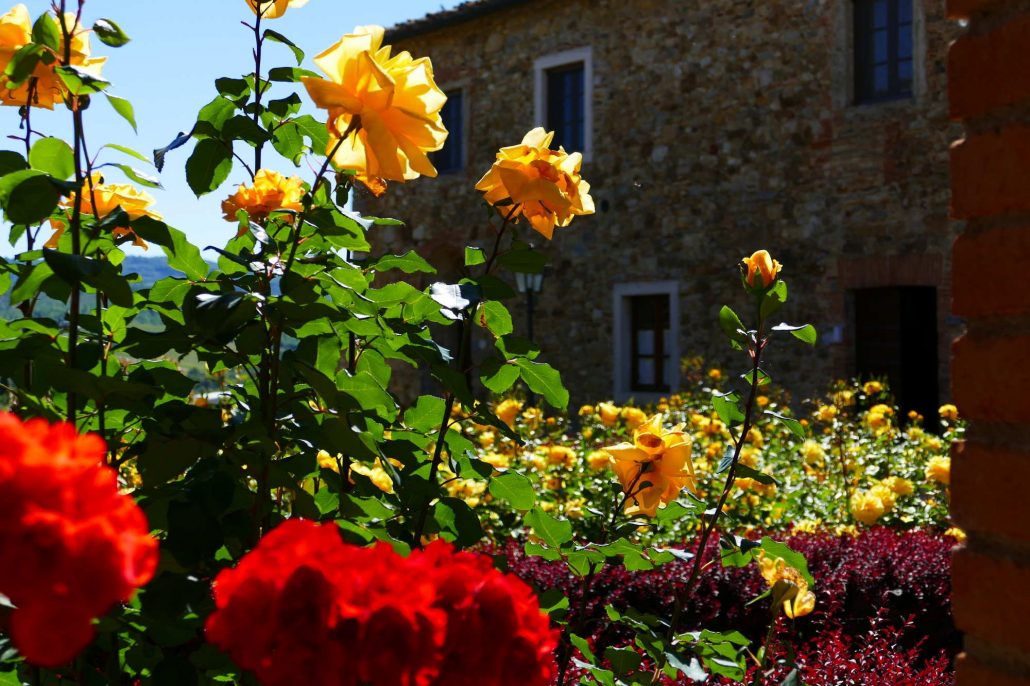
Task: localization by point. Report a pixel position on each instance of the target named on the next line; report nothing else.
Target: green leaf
(81, 82)
(28, 196)
(623, 660)
(46, 32)
(494, 317)
(744, 472)
(409, 263)
(515, 488)
(426, 414)
(791, 423)
(280, 38)
(474, 256)
(794, 559)
(457, 522)
(545, 380)
(774, 298)
(110, 33)
(522, 258)
(209, 166)
(136, 175)
(53, 156)
(290, 74)
(551, 531)
(124, 108)
(805, 332)
(728, 407)
(102, 275)
(128, 151)
(182, 255)
(242, 128)
(11, 162)
(497, 375)
(731, 325)
(23, 64)
(793, 679)
(232, 88)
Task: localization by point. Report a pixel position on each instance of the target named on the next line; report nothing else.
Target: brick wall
(989, 73)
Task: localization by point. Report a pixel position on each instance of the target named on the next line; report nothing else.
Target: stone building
(817, 129)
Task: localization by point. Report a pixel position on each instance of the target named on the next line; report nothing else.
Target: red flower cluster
(71, 545)
(305, 607)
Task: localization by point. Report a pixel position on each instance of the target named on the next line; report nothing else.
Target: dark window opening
(649, 343)
(896, 337)
(566, 114)
(449, 158)
(883, 50)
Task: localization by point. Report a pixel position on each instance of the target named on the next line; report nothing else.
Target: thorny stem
(564, 643)
(465, 338)
(259, 42)
(709, 526)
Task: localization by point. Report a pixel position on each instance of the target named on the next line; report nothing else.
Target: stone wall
(720, 127)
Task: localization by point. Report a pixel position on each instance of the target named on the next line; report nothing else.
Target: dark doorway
(896, 337)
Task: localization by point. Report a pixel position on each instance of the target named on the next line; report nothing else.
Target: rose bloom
(812, 452)
(762, 269)
(71, 545)
(508, 410)
(109, 197)
(562, 455)
(872, 387)
(939, 469)
(633, 417)
(271, 192)
(304, 607)
(898, 485)
(655, 467)
(777, 569)
(543, 185)
(273, 9)
(16, 32)
(599, 460)
(948, 413)
(866, 507)
(385, 108)
(608, 413)
(586, 410)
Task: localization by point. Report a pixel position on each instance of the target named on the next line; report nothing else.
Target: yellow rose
(655, 467)
(812, 452)
(386, 110)
(886, 495)
(776, 569)
(586, 410)
(754, 437)
(599, 460)
(271, 192)
(537, 462)
(898, 485)
(108, 197)
(948, 413)
(956, 533)
(633, 416)
(826, 413)
(496, 460)
(16, 32)
(762, 269)
(376, 474)
(508, 410)
(939, 469)
(327, 461)
(487, 438)
(608, 413)
(866, 507)
(532, 416)
(762, 400)
(714, 374)
(587, 433)
(543, 185)
(273, 9)
(562, 455)
(872, 387)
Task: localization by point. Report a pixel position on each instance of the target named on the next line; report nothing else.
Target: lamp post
(529, 285)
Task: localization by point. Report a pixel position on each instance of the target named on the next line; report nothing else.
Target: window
(564, 93)
(896, 337)
(884, 57)
(451, 157)
(565, 106)
(646, 349)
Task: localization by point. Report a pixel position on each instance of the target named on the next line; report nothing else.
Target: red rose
(305, 607)
(71, 545)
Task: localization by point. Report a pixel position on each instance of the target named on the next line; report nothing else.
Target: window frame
(566, 58)
(622, 343)
(463, 160)
(862, 60)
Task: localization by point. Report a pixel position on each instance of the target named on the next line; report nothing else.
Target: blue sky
(178, 49)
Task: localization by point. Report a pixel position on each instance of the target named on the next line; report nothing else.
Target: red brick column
(989, 81)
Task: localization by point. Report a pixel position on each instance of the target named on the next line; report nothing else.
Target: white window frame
(562, 59)
(622, 329)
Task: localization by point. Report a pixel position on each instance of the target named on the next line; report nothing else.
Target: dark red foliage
(305, 607)
(884, 594)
